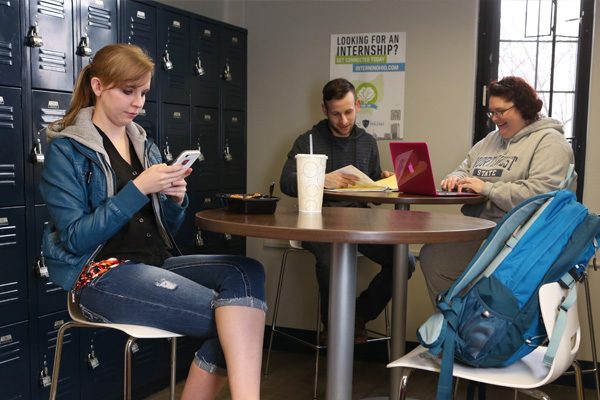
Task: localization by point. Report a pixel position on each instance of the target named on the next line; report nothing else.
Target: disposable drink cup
(311, 180)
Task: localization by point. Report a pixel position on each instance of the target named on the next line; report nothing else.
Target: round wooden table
(345, 227)
(401, 201)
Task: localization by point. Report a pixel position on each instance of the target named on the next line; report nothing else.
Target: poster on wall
(375, 64)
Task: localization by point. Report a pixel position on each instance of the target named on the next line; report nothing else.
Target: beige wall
(288, 63)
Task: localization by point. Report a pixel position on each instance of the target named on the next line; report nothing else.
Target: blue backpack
(490, 317)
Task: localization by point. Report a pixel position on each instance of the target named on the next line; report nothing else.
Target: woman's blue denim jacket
(78, 186)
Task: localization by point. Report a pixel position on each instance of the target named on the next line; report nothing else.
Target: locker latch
(201, 156)
(227, 236)
(226, 74)
(198, 70)
(33, 39)
(38, 155)
(45, 380)
(41, 270)
(198, 239)
(84, 49)
(167, 64)
(227, 155)
(167, 155)
(93, 362)
(135, 348)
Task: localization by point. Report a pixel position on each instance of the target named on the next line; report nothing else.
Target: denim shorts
(179, 296)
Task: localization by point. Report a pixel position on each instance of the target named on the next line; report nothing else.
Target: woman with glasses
(525, 156)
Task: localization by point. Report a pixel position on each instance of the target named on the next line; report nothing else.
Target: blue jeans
(179, 296)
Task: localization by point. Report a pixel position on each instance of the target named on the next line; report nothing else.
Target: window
(548, 43)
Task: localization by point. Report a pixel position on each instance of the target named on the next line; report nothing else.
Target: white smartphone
(187, 158)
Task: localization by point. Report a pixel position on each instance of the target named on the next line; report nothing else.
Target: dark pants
(375, 297)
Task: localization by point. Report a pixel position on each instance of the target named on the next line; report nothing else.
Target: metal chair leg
(173, 367)
(588, 301)
(127, 375)
(276, 309)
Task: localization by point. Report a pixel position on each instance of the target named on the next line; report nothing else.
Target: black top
(138, 240)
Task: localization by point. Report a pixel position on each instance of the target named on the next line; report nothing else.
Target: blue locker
(10, 44)
(234, 150)
(174, 66)
(50, 297)
(205, 57)
(233, 63)
(106, 346)
(13, 279)
(11, 152)
(68, 380)
(14, 361)
(98, 26)
(205, 136)
(47, 107)
(175, 131)
(140, 29)
(147, 118)
(49, 37)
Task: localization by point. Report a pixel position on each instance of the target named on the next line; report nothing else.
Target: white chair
(525, 375)
(296, 247)
(134, 332)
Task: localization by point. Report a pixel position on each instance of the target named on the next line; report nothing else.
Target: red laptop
(412, 167)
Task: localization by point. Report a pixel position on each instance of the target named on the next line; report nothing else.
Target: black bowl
(246, 204)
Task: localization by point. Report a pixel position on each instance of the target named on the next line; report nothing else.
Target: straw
(310, 141)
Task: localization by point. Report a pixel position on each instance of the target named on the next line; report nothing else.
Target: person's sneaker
(360, 332)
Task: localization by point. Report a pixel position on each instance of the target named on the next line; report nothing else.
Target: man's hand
(338, 180)
(386, 174)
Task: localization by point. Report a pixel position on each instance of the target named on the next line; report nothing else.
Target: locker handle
(84, 49)
(198, 70)
(33, 38)
(226, 74)
(167, 64)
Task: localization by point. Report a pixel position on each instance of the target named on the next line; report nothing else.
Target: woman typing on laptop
(525, 156)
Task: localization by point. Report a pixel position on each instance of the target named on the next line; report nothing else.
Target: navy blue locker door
(234, 149)
(10, 44)
(189, 238)
(205, 137)
(50, 297)
(11, 152)
(205, 58)
(13, 279)
(68, 383)
(147, 118)
(174, 65)
(107, 347)
(46, 107)
(140, 29)
(98, 26)
(150, 362)
(14, 361)
(233, 64)
(51, 62)
(175, 132)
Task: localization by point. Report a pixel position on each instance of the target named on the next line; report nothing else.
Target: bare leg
(202, 385)
(241, 330)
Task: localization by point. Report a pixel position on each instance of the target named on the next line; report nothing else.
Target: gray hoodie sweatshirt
(534, 161)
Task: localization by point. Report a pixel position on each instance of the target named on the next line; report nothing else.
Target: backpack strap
(568, 179)
(444, 389)
(561, 320)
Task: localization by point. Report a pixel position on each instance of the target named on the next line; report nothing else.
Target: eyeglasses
(497, 113)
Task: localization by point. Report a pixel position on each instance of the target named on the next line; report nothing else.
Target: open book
(365, 184)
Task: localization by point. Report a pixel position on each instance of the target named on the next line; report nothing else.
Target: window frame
(488, 49)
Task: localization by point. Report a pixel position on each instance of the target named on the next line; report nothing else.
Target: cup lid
(311, 155)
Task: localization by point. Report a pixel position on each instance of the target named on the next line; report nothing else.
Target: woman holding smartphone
(114, 207)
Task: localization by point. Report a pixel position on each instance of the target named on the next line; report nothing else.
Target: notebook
(412, 167)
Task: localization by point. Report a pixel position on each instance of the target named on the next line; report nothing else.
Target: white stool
(134, 332)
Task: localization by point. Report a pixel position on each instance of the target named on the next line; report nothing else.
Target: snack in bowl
(249, 203)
